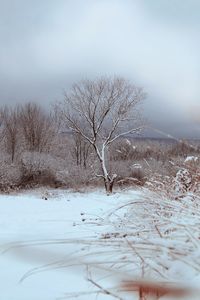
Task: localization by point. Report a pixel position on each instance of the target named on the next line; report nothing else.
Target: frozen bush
(43, 168)
(183, 181)
(137, 172)
(79, 177)
(10, 176)
(128, 173)
(191, 161)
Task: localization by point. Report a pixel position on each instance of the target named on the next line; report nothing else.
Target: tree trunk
(109, 185)
(12, 156)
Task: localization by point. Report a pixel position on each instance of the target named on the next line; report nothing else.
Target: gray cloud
(46, 45)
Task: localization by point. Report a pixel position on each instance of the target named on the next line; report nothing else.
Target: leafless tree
(80, 150)
(102, 111)
(37, 127)
(10, 129)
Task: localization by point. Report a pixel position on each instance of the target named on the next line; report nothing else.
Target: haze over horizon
(47, 45)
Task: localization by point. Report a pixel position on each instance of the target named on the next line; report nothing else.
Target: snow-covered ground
(74, 244)
(35, 241)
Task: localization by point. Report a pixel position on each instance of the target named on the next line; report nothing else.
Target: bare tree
(37, 127)
(100, 112)
(80, 150)
(10, 129)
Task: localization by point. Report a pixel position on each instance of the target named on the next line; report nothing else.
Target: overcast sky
(46, 45)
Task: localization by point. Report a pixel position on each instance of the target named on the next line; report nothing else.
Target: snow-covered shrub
(191, 161)
(183, 181)
(129, 173)
(10, 176)
(127, 150)
(159, 175)
(187, 178)
(62, 176)
(79, 177)
(43, 168)
(137, 172)
(176, 177)
(193, 165)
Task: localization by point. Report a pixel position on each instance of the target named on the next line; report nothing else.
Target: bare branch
(133, 130)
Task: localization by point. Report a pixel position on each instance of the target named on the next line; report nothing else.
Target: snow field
(88, 244)
(35, 237)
